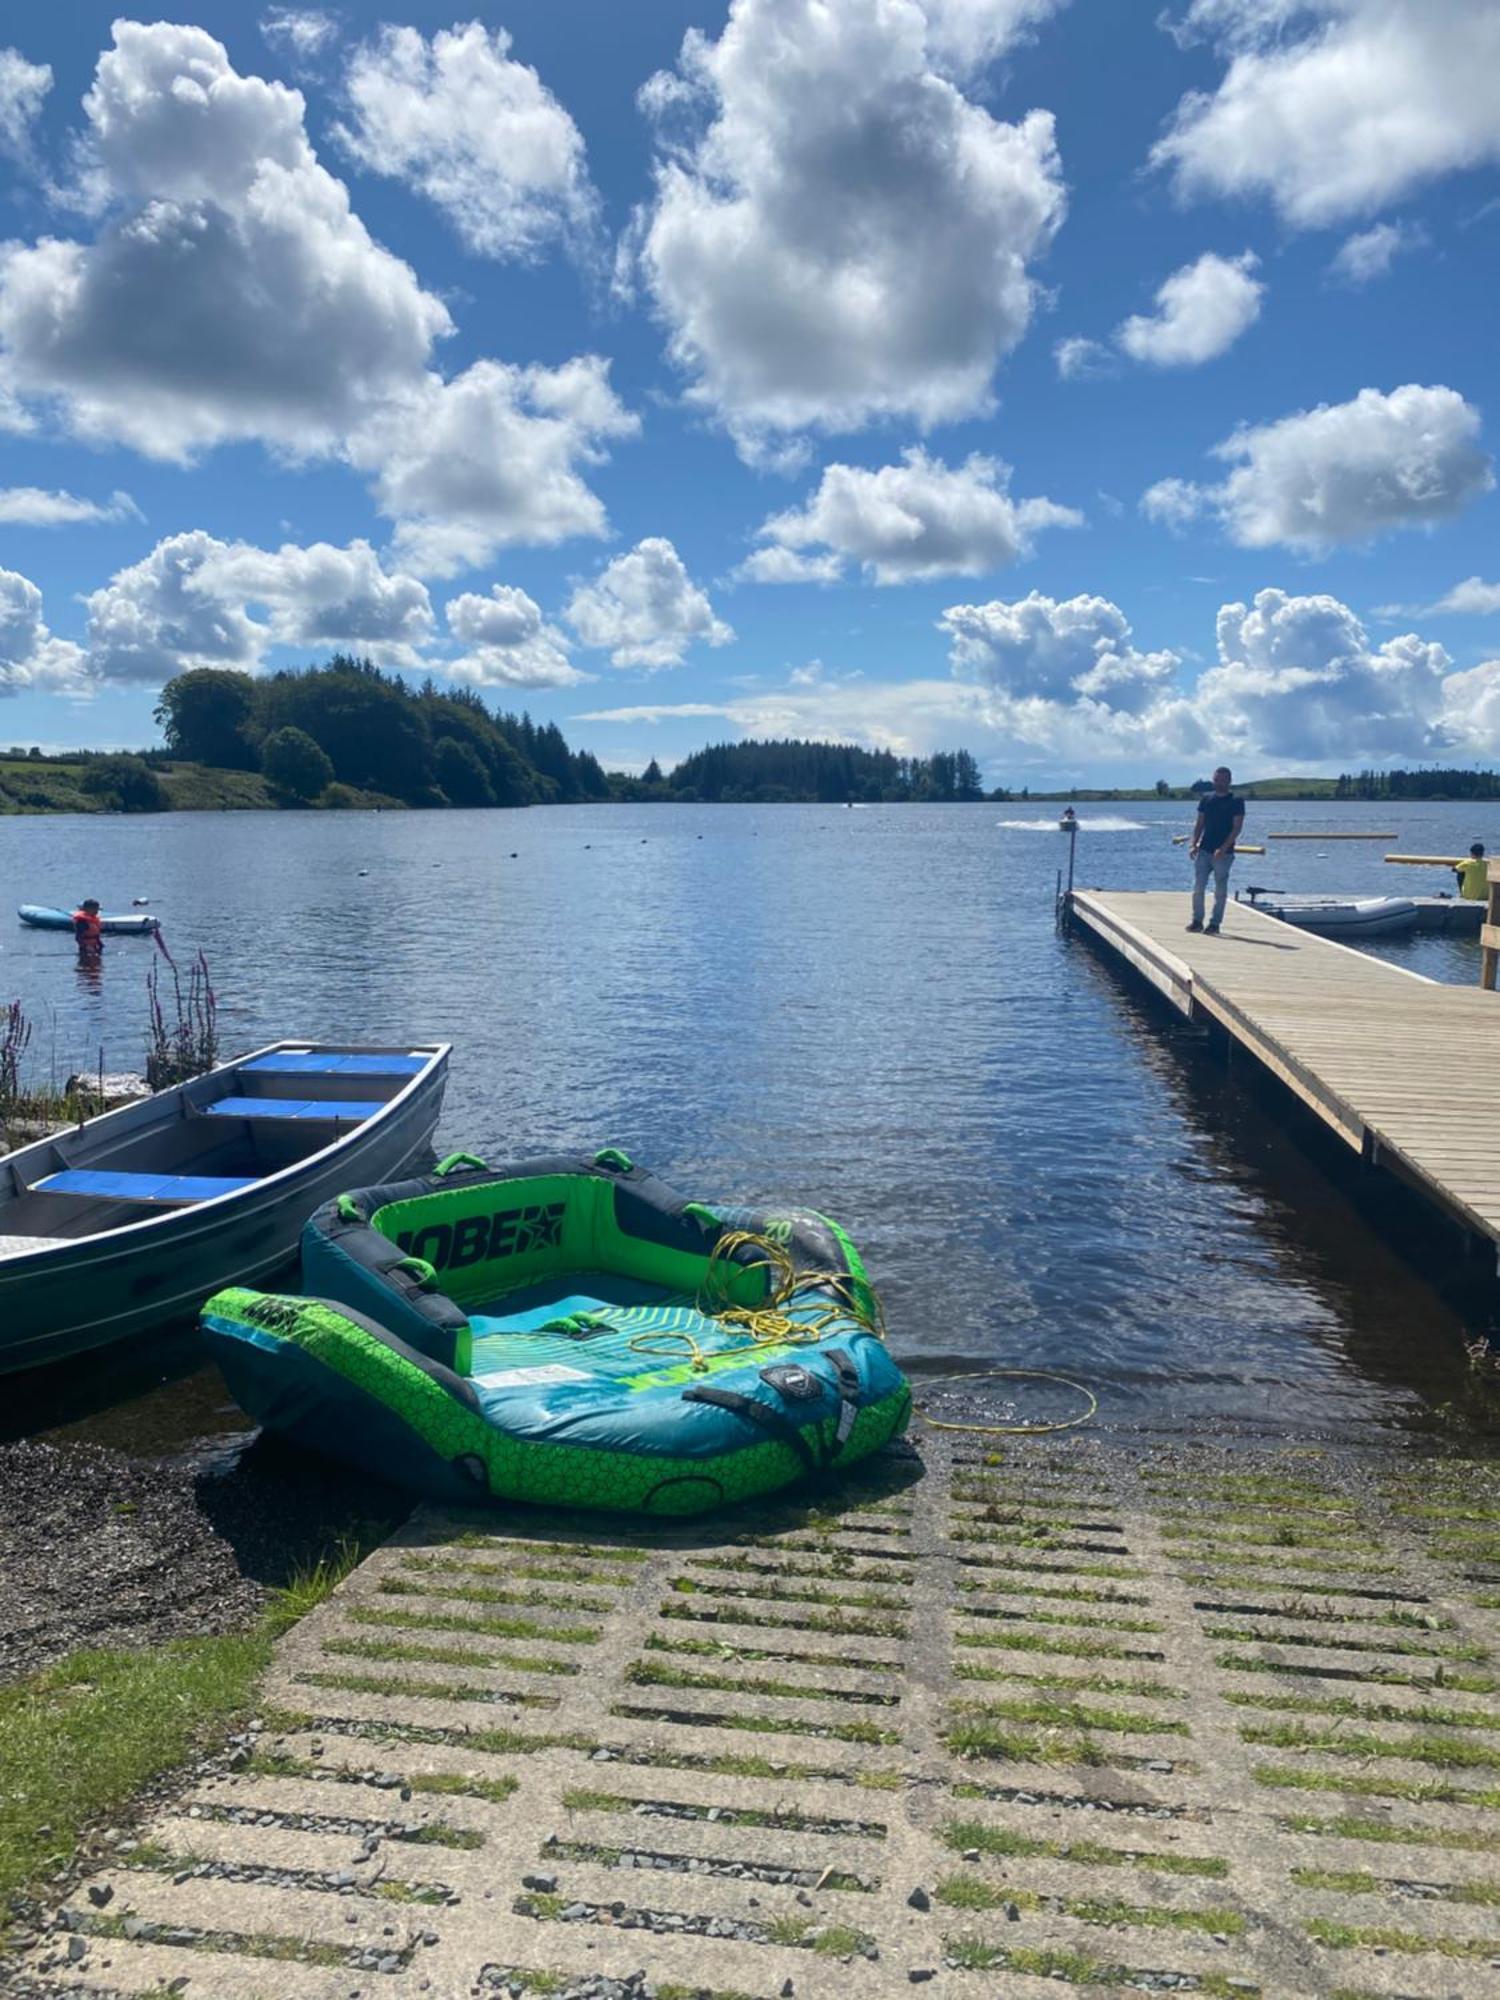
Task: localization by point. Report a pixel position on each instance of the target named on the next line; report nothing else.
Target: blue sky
(1106, 392)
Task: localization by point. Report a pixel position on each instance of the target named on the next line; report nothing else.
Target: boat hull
(1372, 917)
(78, 1295)
(43, 919)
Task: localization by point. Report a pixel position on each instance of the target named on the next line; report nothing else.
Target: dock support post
(1489, 937)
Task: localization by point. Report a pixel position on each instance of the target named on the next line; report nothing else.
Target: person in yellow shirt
(1473, 875)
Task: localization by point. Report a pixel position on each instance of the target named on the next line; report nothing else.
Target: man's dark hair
(89, 903)
(1477, 849)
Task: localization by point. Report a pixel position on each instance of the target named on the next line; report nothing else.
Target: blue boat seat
(141, 1187)
(351, 1108)
(291, 1062)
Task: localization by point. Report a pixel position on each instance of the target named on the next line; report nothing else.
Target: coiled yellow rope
(769, 1324)
(1013, 1430)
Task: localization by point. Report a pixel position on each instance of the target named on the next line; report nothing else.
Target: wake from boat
(1102, 823)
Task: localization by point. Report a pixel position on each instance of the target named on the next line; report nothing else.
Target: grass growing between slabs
(79, 1739)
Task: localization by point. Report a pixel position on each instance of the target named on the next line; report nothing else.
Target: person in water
(1215, 831)
(1473, 875)
(1069, 817)
(88, 928)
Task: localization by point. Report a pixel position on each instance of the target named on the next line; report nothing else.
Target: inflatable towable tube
(568, 1331)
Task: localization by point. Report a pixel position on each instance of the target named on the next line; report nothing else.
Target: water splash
(1095, 823)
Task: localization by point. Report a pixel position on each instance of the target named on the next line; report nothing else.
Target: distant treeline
(1432, 784)
(825, 773)
(318, 734)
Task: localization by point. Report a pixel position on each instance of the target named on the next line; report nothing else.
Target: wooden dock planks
(1395, 1063)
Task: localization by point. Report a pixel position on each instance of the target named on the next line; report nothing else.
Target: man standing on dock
(1216, 829)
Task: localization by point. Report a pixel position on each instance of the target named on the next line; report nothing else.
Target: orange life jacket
(87, 927)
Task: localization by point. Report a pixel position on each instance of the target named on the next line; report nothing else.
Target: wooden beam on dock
(1406, 1070)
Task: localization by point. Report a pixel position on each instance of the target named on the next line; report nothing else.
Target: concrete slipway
(1062, 1714)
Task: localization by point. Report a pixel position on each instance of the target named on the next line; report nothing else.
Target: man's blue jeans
(1204, 865)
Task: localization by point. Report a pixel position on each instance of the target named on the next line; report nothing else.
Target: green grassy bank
(80, 1739)
(29, 785)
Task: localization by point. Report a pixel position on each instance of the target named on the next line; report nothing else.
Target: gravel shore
(101, 1549)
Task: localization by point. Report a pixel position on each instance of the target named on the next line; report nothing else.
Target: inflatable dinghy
(41, 918)
(568, 1330)
(1340, 916)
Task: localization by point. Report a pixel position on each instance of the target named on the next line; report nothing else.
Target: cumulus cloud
(1079, 649)
(1297, 677)
(1336, 108)
(1344, 472)
(476, 132)
(1078, 357)
(838, 233)
(35, 507)
(906, 523)
(1470, 721)
(492, 458)
(23, 90)
(1201, 311)
(645, 609)
(1173, 502)
(508, 642)
(1369, 253)
(188, 604)
(232, 293)
(287, 321)
(30, 656)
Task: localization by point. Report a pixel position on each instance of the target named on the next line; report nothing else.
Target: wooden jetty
(1406, 1070)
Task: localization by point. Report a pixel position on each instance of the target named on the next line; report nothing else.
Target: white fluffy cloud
(188, 604)
(1201, 311)
(645, 609)
(508, 643)
(36, 507)
(232, 293)
(476, 132)
(30, 656)
(1473, 598)
(1298, 678)
(838, 232)
(1344, 472)
(1076, 650)
(23, 89)
(1296, 681)
(1369, 253)
(1470, 721)
(1335, 108)
(905, 523)
(492, 458)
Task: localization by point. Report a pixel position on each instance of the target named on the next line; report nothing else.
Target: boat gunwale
(434, 1065)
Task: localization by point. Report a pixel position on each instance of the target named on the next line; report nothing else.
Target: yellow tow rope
(769, 1324)
(1014, 1430)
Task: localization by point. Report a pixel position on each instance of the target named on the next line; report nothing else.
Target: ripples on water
(867, 1011)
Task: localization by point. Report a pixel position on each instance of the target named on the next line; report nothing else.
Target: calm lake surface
(868, 1010)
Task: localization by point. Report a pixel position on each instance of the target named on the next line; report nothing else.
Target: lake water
(867, 1010)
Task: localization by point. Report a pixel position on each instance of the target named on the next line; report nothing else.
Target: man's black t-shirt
(1216, 815)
